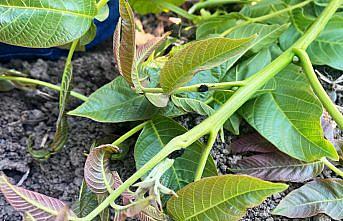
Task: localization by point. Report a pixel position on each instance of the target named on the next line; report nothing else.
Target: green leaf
(320, 196)
(220, 197)
(124, 41)
(155, 135)
(103, 13)
(158, 99)
(327, 48)
(44, 23)
(267, 34)
(201, 55)
(117, 102)
(265, 7)
(144, 7)
(289, 117)
(86, 202)
(192, 105)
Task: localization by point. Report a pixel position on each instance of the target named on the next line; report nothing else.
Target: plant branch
(130, 133)
(198, 87)
(42, 83)
(317, 87)
(265, 17)
(213, 3)
(332, 167)
(177, 10)
(206, 152)
(215, 121)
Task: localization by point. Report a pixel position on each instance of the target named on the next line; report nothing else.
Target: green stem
(196, 87)
(214, 3)
(206, 152)
(215, 121)
(130, 133)
(332, 167)
(177, 10)
(265, 17)
(43, 83)
(317, 87)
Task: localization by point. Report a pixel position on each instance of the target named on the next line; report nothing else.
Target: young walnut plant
(255, 64)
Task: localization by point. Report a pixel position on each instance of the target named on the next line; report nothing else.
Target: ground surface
(24, 114)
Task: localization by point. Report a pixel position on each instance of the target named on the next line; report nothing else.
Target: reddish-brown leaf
(35, 205)
(252, 143)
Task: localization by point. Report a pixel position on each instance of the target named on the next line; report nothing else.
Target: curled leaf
(124, 41)
(36, 206)
(97, 172)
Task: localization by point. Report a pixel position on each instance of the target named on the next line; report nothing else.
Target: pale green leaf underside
(201, 55)
(289, 117)
(220, 198)
(155, 136)
(117, 102)
(321, 196)
(44, 23)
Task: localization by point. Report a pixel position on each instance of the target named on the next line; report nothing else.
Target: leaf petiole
(317, 87)
(129, 133)
(206, 152)
(332, 167)
(42, 83)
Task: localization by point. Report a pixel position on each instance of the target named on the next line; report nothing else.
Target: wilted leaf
(44, 23)
(155, 136)
(144, 7)
(320, 196)
(97, 172)
(117, 102)
(289, 117)
(40, 207)
(201, 55)
(252, 143)
(61, 134)
(220, 197)
(124, 41)
(278, 167)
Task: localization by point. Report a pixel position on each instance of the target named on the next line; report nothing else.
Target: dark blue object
(105, 29)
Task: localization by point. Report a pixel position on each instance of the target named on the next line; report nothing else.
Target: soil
(33, 114)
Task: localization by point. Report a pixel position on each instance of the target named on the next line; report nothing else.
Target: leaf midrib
(226, 199)
(285, 166)
(60, 11)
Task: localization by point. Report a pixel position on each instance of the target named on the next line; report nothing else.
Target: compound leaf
(98, 176)
(289, 117)
(39, 206)
(320, 196)
(45, 23)
(155, 135)
(278, 167)
(201, 55)
(220, 197)
(117, 102)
